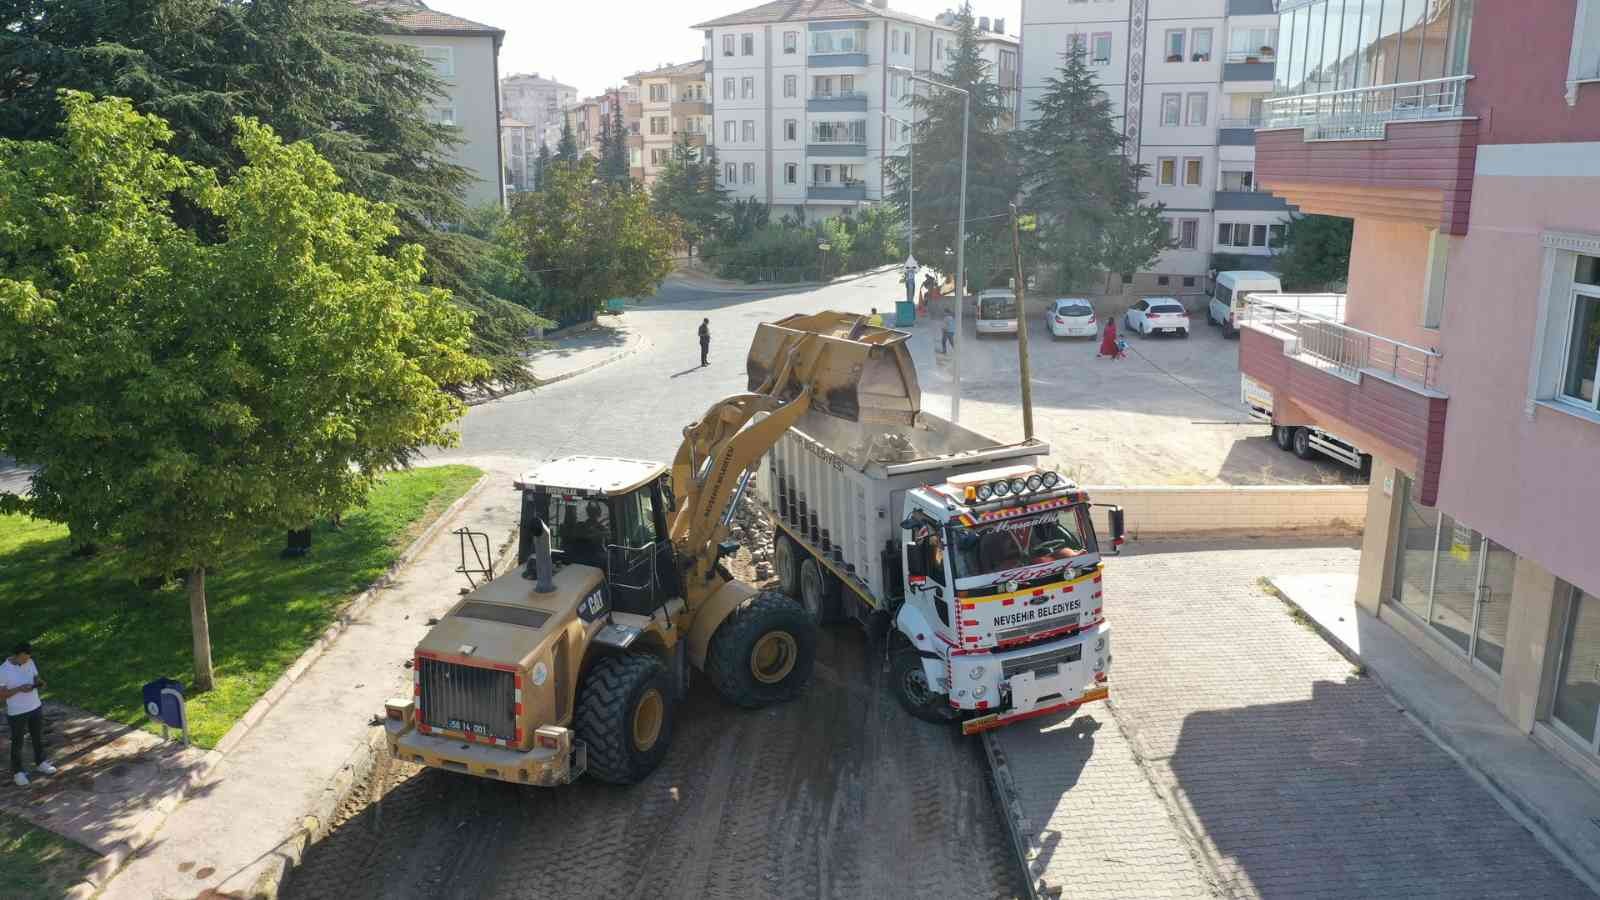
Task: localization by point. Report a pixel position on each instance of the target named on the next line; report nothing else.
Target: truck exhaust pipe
(543, 567)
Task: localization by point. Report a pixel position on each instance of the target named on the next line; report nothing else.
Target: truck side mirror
(916, 565)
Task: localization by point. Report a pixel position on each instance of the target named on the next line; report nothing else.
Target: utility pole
(1021, 283)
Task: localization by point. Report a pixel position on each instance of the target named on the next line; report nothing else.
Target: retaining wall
(1177, 511)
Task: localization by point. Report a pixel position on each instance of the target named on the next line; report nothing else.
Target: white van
(997, 312)
(1228, 293)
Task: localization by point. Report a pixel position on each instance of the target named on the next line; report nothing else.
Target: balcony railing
(1366, 112)
(1322, 340)
(1239, 122)
(1239, 56)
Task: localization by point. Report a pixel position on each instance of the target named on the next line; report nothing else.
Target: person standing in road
(1110, 347)
(705, 342)
(949, 333)
(19, 687)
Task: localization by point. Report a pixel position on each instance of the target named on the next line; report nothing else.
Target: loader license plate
(468, 727)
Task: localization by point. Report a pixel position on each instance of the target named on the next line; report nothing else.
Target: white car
(1154, 314)
(1072, 317)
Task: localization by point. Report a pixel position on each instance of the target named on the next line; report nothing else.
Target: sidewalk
(240, 831)
(1560, 806)
(614, 339)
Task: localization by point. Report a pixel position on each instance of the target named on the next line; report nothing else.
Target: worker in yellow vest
(874, 318)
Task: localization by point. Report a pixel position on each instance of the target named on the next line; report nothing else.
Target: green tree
(178, 393)
(614, 159)
(567, 147)
(320, 71)
(588, 240)
(541, 164)
(992, 181)
(1314, 252)
(1083, 188)
(687, 192)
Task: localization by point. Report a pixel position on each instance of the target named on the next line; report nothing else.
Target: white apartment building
(799, 89)
(537, 102)
(466, 57)
(673, 102)
(1200, 69)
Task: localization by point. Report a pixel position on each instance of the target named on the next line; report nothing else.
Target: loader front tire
(763, 652)
(625, 713)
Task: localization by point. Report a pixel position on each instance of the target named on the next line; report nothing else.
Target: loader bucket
(857, 372)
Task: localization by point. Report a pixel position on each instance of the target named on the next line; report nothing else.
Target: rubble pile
(751, 528)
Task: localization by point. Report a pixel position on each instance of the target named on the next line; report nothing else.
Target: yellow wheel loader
(574, 661)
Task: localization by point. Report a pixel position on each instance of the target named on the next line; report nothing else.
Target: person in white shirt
(19, 687)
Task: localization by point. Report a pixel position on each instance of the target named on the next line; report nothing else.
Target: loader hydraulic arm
(833, 363)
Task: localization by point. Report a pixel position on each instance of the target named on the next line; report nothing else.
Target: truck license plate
(468, 727)
(1047, 671)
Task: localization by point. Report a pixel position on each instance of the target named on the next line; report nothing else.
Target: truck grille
(1034, 661)
(458, 698)
(1023, 631)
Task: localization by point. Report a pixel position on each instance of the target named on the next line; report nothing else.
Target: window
(791, 42)
(1197, 109)
(749, 130)
(658, 93)
(1244, 43)
(1172, 109)
(1225, 236)
(1577, 695)
(730, 131)
(1167, 171)
(1566, 357)
(894, 40)
(821, 174)
(727, 45)
(658, 125)
(749, 173)
(443, 60)
(1175, 45)
(747, 45)
(727, 89)
(1237, 180)
(1258, 235)
(1161, 281)
(730, 174)
(938, 47)
(791, 173)
(1102, 49)
(821, 86)
(444, 115)
(1188, 281)
(1582, 368)
(894, 86)
(791, 85)
(1275, 235)
(847, 85)
(790, 130)
(747, 88)
(658, 156)
(1202, 45)
(1191, 171)
(1188, 233)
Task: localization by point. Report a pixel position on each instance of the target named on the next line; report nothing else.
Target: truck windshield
(1027, 541)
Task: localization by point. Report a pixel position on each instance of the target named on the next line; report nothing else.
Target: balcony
(1246, 72)
(846, 146)
(1248, 201)
(1402, 151)
(846, 192)
(845, 101)
(840, 60)
(1376, 392)
(1236, 131)
(691, 108)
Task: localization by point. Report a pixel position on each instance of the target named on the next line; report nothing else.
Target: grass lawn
(98, 637)
(36, 863)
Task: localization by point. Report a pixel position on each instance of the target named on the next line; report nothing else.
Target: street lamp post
(961, 224)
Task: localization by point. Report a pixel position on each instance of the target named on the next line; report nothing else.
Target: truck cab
(1003, 615)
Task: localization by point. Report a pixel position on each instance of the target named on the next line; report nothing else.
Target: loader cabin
(607, 513)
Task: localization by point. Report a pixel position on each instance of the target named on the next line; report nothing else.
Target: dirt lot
(1169, 413)
(839, 794)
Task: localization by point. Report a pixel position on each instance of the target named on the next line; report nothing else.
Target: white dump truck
(983, 566)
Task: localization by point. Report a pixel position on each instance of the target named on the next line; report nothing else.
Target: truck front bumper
(546, 767)
(1050, 677)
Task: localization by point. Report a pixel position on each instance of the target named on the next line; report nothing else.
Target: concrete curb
(639, 343)
(107, 867)
(749, 287)
(1017, 823)
(1524, 812)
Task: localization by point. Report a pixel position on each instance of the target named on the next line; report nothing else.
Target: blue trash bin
(905, 314)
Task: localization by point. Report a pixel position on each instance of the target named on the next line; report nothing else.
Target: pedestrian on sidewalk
(874, 319)
(1110, 347)
(949, 333)
(705, 342)
(19, 686)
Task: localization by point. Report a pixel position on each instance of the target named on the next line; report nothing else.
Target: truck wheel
(1283, 436)
(819, 592)
(1302, 443)
(763, 652)
(624, 717)
(786, 564)
(911, 688)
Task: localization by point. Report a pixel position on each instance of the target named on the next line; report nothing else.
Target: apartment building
(587, 115)
(799, 89)
(1186, 80)
(1463, 140)
(466, 57)
(537, 102)
(674, 101)
(518, 151)
(1002, 52)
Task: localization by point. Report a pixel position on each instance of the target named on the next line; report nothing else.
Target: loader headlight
(985, 492)
(977, 672)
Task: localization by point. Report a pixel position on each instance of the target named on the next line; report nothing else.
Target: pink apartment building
(1463, 138)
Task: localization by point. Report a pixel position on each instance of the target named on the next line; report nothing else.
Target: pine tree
(992, 180)
(687, 192)
(616, 163)
(1083, 188)
(541, 164)
(603, 157)
(567, 148)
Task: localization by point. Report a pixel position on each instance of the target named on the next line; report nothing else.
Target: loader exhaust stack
(857, 372)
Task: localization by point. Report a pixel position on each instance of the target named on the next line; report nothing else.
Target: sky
(594, 44)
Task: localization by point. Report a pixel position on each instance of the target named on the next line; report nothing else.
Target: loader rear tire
(625, 717)
(763, 652)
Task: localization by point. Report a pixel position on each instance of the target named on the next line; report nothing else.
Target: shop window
(1576, 704)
